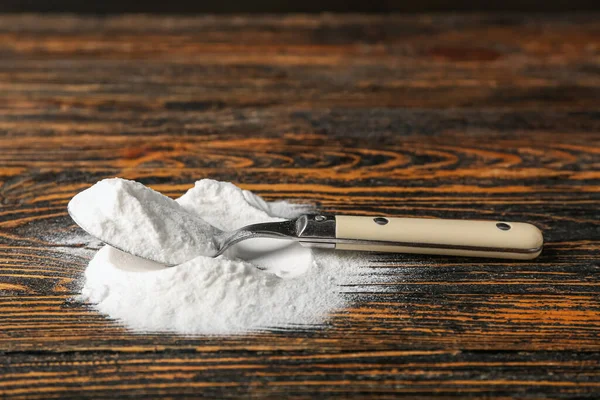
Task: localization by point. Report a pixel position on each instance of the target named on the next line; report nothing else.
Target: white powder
(223, 295)
(206, 295)
(138, 218)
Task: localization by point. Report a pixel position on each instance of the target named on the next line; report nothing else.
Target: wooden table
(453, 116)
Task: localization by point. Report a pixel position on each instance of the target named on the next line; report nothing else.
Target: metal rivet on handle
(503, 226)
(320, 218)
(381, 220)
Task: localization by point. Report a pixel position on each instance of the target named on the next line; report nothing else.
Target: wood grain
(437, 116)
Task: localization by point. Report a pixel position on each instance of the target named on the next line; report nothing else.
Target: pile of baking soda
(258, 284)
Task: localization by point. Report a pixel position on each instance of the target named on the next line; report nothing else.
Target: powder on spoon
(142, 221)
(228, 294)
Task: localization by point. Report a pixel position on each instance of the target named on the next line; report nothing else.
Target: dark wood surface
(188, 7)
(459, 116)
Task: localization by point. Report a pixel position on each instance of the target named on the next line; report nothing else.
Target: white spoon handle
(497, 239)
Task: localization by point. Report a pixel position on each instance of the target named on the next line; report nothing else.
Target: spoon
(495, 239)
